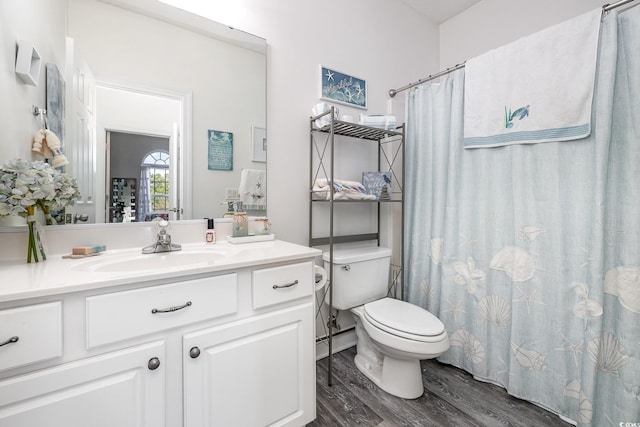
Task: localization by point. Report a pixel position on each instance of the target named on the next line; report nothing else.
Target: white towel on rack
(252, 188)
(536, 89)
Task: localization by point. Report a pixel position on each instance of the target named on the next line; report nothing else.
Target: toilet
(393, 335)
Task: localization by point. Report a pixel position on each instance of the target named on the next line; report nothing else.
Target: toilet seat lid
(403, 319)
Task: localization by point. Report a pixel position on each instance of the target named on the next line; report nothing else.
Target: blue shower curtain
(530, 254)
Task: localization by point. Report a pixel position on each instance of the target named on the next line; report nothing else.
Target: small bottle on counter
(210, 235)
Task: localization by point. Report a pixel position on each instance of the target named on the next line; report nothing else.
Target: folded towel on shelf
(536, 89)
(252, 188)
(342, 190)
(382, 121)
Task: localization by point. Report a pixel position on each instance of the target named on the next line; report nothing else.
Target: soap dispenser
(240, 223)
(210, 235)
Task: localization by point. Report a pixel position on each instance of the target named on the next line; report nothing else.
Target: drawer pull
(154, 363)
(10, 341)
(171, 309)
(194, 352)
(288, 285)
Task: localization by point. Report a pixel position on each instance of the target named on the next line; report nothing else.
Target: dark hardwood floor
(452, 398)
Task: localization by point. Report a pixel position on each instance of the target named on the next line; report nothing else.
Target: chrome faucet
(163, 244)
(80, 217)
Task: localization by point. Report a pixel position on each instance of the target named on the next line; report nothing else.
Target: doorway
(133, 122)
(139, 178)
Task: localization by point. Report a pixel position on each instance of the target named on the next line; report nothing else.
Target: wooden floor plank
(397, 411)
(471, 396)
(339, 405)
(452, 398)
(323, 415)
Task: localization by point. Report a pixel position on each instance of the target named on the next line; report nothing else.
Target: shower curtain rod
(393, 92)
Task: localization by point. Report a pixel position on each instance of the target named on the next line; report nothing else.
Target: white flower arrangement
(25, 185)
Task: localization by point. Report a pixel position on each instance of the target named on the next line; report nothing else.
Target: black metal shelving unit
(323, 167)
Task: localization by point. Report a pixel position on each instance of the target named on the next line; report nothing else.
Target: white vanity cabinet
(234, 347)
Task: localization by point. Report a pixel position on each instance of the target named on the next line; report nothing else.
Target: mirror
(146, 69)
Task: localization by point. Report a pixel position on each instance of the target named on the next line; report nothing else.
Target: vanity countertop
(21, 280)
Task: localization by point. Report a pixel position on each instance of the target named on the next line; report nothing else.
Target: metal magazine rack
(324, 141)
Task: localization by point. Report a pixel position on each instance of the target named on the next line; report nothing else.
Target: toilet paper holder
(320, 277)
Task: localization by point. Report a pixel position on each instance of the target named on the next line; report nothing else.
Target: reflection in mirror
(134, 124)
(144, 69)
(173, 80)
(138, 190)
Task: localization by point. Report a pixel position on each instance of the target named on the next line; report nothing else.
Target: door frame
(174, 168)
(184, 142)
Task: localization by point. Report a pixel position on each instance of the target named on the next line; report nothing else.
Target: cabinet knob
(154, 363)
(194, 352)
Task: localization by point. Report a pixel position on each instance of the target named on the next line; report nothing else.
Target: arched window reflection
(154, 186)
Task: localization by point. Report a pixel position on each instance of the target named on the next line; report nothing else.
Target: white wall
(493, 23)
(379, 40)
(382, 41)
(43, 23)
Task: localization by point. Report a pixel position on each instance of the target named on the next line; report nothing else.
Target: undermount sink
(132, 263)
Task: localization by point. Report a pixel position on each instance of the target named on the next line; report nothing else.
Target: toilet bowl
(393, 335)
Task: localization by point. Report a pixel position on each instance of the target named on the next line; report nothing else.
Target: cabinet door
(255, 372)
(114, 389)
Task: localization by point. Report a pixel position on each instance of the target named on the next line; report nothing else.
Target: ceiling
(440, 10)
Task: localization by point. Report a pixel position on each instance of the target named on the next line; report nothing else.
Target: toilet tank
(360, 275)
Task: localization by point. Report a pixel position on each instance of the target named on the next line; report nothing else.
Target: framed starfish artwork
(343, 88)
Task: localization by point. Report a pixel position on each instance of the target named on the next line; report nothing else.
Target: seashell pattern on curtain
(530, 254)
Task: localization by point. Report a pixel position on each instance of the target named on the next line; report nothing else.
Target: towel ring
(37, 111)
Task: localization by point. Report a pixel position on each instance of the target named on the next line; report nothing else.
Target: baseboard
(341, 341)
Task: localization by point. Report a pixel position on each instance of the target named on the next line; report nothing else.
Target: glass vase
(32, 252)
(240, 224)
